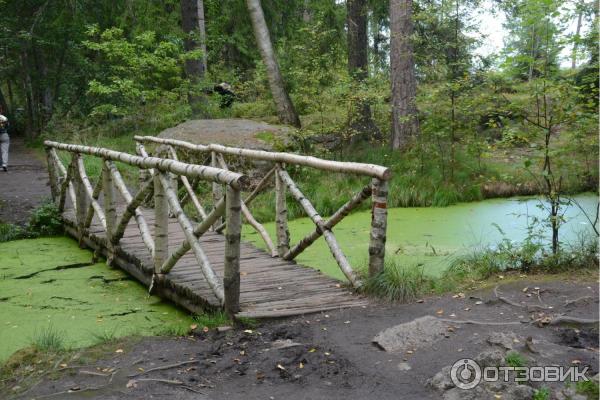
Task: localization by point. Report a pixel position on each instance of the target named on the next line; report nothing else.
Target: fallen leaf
(205, 329)
(301, 365)
(439, 312)
(525, 289)
(118, 350)
(63, 365)
(249, 331)
(501, 276)
(346, 322)
(576, 362)
(478, 302)
(420, 301)
(281, 367)
(312, 350)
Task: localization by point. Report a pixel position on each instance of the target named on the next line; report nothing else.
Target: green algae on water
(50, 284)
(431, 237)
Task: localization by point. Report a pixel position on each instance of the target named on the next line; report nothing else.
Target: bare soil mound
(229, 132)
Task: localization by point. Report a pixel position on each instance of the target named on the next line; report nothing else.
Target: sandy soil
(331, 355)
(24, 186)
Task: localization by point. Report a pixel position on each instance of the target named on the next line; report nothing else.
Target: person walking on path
(4, 142)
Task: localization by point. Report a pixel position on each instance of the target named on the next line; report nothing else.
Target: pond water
(433, 236)
(82, 303)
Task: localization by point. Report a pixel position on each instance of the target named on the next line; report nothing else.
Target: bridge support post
(53, 175)
(217, 189)
(161, 227)
(281, 217)
(108, 190)
(80, 199)
(378, 226)
(231, 278)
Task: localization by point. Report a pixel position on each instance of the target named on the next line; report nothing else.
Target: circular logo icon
(465, 374)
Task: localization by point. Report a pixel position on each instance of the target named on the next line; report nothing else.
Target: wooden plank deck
(270, 287)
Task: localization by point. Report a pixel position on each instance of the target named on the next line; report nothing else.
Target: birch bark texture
(405, 122)
(285, 109)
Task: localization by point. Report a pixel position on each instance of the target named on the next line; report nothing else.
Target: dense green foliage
(99, 72)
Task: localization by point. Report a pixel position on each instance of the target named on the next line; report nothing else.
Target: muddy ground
(332, 356)
(24, 186)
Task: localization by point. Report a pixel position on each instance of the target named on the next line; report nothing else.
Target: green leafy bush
(45, 221)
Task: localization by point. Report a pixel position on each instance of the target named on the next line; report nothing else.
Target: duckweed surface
(432, 236)
(50, 284)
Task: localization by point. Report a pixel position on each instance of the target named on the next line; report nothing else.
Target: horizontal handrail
(372, 170)
(233, 179)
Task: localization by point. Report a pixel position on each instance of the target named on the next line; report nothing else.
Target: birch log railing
(377, 189)
(71, 186)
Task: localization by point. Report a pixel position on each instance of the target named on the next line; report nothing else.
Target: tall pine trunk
(285, 108)
(195, 68)
(360, 121)
(405, 122)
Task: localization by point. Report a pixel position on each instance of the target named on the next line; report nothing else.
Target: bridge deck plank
(270, 287)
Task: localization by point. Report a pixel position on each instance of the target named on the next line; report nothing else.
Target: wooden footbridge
(163, 235)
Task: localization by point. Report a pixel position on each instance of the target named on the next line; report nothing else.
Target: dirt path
(24, 186)
(332, 356)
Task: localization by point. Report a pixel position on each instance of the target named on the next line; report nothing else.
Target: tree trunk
(285, 108)
(405, 122)
(194, 68)
(360, 122)
(202, 31)
(576, 43)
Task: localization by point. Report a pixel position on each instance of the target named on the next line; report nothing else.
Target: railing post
(231, 277)
(81, 199)
(281, 217)
(110, 210)
(217, 189)
(161, 227)
(53, 175)
(378, 226)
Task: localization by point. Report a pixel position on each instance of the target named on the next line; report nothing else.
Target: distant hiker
(4, 142)
(224, 89)
(227, 95)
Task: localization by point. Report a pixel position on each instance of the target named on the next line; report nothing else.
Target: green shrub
(45, 221)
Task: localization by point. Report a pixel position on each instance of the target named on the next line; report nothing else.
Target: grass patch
(106, 335)
(589, 388)
(398, 282)
(212, 320)
(542, 394)
(515, 359)
(10, 232)
(49, 339)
